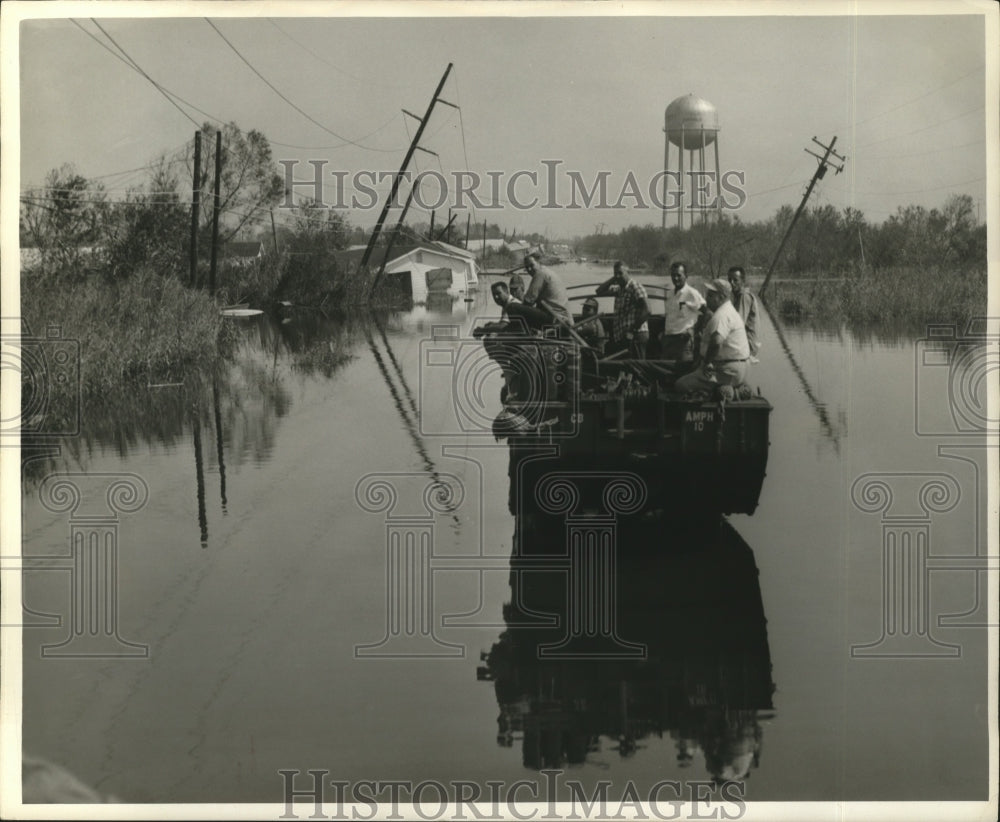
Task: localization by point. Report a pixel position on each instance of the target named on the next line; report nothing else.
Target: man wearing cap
(724, 347)
(680, 315)
(630, 330)
(590, 328)
(517, 286)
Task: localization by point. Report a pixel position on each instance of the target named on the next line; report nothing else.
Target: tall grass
(902, 297)
(145, 329)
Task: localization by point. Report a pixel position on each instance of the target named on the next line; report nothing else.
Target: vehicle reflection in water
(692, 600)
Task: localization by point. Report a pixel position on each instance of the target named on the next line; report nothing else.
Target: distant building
(499, 244)
(243, 253)
(420, 269)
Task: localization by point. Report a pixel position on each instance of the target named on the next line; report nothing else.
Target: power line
(465, 150)
(913, 191)
(327, 62)
(341, 145)
(919, 130)
(305, 114)
(925, 153)
(138, 68)
(777, 188)
(850, 125)
(921, 97)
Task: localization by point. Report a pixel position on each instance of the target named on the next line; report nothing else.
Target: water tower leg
(666, 167)
(718, 180)
(701, 159)
(683, 188)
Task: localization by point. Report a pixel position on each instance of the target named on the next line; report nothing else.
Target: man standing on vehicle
(724, 348)
(680, 315)
(745, 302)
(629, 329)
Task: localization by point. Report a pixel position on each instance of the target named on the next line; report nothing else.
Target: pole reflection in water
(199, 469)
(219, 449)
(690, 595)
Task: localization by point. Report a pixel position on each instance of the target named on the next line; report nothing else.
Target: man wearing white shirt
(724, 347)
(680, 314)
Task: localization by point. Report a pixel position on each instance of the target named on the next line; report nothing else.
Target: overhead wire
(309, 117)
(139, 69)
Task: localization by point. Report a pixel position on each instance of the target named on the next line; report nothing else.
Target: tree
(317, 229)
(151, 228)
(250, 182)
(63, 220)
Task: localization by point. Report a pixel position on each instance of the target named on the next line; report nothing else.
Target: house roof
(350, 258)
(244, 249)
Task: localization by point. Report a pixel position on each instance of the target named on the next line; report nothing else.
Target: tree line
(826, 241)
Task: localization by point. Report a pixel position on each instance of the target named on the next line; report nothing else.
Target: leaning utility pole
(399, 175)
(394, 235)
(817, 175)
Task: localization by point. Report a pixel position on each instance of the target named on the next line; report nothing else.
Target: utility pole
(430, 231)
(215, 212)
(402, 170)
(392, 237)
(446, 231)
(274, 233)
(195, 207)
(468, 225)
(824, 163)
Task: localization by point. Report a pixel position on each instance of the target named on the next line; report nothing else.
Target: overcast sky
(904, 95)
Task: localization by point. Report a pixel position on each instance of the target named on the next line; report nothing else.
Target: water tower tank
(691, 122)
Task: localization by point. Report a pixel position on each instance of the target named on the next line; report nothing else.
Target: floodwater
(244, 580)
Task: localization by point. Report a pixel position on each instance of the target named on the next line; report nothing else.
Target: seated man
(517, 286)
(724, 349)
(545, 301)
(498, 335)
(590, 328)
(503, 298)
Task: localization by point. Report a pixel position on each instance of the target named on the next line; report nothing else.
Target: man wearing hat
(590, 328)
(724, 347)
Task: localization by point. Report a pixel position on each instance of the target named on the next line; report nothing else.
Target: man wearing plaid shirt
(629, 329)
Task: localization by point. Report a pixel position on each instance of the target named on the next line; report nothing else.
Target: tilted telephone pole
(406, 161)
(824, 163)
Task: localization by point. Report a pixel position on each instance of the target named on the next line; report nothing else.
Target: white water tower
(692, 125)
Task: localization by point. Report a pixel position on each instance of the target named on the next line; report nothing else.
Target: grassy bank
(903, 297)
(146, 329)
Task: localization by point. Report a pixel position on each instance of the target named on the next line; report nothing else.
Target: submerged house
(423, 269)
(243, 254)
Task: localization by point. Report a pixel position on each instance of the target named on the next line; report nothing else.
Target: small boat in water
(566, 408)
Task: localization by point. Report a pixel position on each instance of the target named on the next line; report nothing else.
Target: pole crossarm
(824, 163)
(406, 162)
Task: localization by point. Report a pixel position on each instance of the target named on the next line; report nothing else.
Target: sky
(905, 95)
